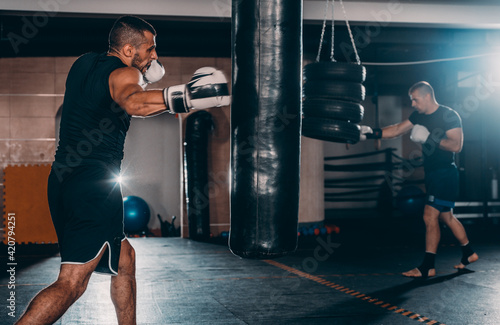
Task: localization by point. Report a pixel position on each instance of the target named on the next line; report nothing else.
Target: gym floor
(349, 278)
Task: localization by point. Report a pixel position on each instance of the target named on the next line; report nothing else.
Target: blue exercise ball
(410, 200)
(136, 214)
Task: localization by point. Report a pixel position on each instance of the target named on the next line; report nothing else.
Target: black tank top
(93, 126)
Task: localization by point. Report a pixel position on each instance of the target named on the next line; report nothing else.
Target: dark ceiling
(73, 35)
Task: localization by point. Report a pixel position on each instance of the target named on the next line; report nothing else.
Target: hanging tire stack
(333, 93)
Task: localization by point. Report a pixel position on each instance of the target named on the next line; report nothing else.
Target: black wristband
(174, 99)
(433, 140)
(377, 134)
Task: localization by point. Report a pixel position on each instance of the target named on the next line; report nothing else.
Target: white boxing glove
(363, 131)
(207, 88)
(154, 73)
(366, 132)
(419, 134)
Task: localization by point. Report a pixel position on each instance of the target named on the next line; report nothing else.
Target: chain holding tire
(323, 31)
(333, 92)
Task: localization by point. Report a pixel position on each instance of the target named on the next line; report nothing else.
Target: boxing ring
(374, 185)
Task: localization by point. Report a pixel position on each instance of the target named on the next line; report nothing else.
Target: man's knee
(127, 257)
(131, 255)
(445, 216)
(75, 277)
(430, 214)
(74, 285)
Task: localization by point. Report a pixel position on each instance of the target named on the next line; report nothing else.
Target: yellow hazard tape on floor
(356, 294)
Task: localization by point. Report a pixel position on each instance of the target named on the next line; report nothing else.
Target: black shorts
(442, 188)
(87, 211)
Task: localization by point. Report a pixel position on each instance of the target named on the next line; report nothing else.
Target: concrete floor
(351, 278)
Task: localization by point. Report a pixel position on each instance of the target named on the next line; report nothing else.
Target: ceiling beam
(386, 13)
(397, 13)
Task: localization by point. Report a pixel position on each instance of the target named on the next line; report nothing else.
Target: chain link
(322, 31)
(332, 58)
(332, 50)
(350, 33)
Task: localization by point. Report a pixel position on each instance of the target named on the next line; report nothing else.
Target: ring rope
(431, 61)
(353, 179)
(372, 153)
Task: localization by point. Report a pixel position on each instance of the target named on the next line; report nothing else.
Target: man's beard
(136, 63)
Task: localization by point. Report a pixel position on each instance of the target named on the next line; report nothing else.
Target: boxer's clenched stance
(103, 92)
(439, 129)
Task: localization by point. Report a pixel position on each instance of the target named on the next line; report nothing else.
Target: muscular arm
(453, 141)
(126, 92)
(396, 130)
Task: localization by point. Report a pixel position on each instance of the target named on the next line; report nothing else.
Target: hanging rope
(350, 33)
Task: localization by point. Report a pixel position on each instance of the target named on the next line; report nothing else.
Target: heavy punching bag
(266, 124)
(198, 126)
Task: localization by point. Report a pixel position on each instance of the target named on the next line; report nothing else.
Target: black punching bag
(265, 123)
(198, 127)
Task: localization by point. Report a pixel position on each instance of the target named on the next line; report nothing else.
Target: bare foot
(471, 259)
(415, 273)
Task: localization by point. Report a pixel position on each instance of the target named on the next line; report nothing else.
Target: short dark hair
(423, 87)
(129, 30)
